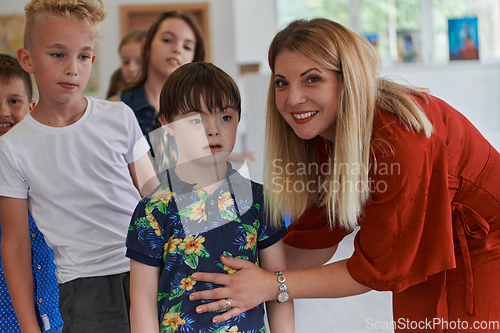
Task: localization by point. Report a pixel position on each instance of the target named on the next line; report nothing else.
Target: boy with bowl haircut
(79, 163)
(15, 102)
(204, 209)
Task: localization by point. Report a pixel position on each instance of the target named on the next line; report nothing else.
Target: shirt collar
(179, 186)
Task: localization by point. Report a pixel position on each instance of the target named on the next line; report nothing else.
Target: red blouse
(431, 229)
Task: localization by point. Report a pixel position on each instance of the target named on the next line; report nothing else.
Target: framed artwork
(12, 38)
(11, 33)
(373, 39)
(408, 43)
(463, 38)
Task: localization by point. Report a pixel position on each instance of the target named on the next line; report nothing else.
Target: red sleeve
(312, 229)
(406, 228)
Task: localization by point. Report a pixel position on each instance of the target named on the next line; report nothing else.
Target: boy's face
(205, 138)
(61, 59)
(14, 103)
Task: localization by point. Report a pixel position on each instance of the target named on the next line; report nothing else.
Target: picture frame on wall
(373, 39)
(463, 38)
(11, 33)
(408, 42)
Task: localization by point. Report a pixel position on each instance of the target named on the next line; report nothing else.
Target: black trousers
(97, 304)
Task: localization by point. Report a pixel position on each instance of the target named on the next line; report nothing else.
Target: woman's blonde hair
(291, 162)
(89, 12)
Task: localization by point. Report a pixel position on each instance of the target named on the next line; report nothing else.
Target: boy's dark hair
(11, 69)
(184, 89)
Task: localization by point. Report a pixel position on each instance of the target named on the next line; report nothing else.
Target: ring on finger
(228, 304)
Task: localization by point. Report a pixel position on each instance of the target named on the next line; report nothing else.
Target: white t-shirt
(78, 185)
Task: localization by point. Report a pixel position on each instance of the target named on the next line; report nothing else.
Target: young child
(131, 55)
(78, 162)
(204, 209)
(131, 58)
(15, 102)
(173, 39)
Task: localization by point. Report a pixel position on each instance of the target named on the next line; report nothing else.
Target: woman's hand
(245, 289)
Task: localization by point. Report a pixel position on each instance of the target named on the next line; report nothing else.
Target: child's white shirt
(78, 185)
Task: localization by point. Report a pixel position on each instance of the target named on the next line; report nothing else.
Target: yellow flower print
(173, 320)
(233, 329)
(198, 211)
(229, 270)
(152, 222)
(172, 244)
(163, 196)
(225, 201)
(190, 245)
(187, 283)
(251, 239)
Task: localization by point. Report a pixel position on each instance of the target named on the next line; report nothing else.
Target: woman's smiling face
(306, 95)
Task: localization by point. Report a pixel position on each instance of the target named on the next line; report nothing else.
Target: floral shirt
(182, 229)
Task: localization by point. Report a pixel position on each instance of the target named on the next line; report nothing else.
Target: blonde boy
(75, 162)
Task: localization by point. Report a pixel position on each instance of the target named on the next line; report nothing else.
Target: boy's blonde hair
(362, 92)
(89, 12)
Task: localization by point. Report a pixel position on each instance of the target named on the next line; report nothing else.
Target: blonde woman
(347, 148)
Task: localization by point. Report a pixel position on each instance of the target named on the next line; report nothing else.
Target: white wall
(11, 7)
(469, 86)
(255, 27)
